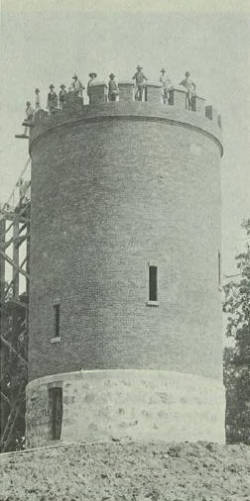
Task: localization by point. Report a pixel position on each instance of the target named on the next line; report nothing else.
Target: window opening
(57, 320)
(152, 283)
(56, 411)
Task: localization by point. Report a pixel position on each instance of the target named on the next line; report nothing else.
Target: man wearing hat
(77, 86)
(37, 100)
(140, 79)
(113, 88)
(166, 85)
(52, 100)
(191, 89)
(62, 95)
(92, 77)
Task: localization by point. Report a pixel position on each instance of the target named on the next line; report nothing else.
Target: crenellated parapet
(201, 116)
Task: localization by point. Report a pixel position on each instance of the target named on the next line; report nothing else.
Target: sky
(47, 41)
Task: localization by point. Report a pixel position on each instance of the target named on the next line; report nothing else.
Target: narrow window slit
(153, 283)
(57, 320)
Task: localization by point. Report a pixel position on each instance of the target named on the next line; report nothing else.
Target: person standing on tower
(166, 85)
(29, 111)
(92, 76)
(37, 100)
(77, 86)
(113, 88)
(140, 80)
(191, 89)
(62, 95)
(52, 100)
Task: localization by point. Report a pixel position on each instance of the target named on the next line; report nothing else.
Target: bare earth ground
(123, 471)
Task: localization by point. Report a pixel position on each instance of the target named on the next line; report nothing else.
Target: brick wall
(110, 196)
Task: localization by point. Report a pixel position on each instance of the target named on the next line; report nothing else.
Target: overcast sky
(47, 41)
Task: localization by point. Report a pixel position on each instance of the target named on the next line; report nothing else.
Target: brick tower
(125, 314)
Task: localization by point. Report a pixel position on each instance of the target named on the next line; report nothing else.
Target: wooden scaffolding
(14, 308)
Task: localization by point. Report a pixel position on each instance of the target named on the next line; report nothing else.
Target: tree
(237, 357)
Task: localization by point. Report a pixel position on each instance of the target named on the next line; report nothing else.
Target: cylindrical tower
(125, 314)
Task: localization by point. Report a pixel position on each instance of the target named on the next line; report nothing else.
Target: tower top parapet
(178, 109)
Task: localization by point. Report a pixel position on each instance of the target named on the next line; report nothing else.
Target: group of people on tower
(76, 87)
(140, 80)
(54, 101)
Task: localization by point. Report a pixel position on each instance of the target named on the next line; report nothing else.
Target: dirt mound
(121, 471)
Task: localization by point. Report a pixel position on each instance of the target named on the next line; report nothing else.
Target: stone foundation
(135, 405)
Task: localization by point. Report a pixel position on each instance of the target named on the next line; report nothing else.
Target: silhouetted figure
(62, 95)
(191, 89)
(92, 78)
(140, 80)
(77, 86)
(113, 90)
(52, 100)
(29, 112)
(166, 85)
